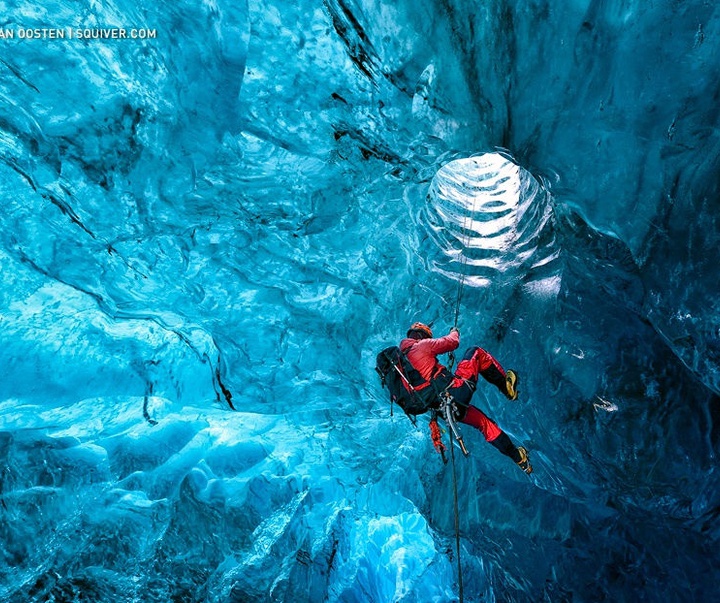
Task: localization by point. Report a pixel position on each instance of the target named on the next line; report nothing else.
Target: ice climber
(421, 351)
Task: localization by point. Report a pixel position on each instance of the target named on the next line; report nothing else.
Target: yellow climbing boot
(511, 380)
(524, 462)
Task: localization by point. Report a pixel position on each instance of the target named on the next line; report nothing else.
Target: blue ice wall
(209, 232)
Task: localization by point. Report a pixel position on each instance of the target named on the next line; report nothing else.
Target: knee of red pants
(484, 360)
(480, 361)
(478, 419)
(467, 369)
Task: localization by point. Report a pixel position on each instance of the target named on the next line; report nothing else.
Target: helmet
(421, 328)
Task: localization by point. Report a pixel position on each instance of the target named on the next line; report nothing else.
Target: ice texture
(207, 235)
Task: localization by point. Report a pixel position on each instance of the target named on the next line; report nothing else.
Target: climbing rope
(447, 412)
(463, 259)
(457, 522)
(461, 286)
(447, 402)
(441, 448)
(463, 262)
(448, 409)
(451, 355)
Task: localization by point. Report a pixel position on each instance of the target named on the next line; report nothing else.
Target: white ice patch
(486, 214)
(605, 405)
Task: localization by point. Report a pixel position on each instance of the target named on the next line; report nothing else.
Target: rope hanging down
(459, 291)
(463, 262)
(451, 355)
(463, 257)
(447, 410)
(448, 405)
(457, 523)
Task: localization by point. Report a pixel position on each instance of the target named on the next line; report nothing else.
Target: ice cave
(216, 213)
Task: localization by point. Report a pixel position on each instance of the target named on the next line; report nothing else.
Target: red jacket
(423, 353)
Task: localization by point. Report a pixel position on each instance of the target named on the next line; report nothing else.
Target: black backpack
(395, 372)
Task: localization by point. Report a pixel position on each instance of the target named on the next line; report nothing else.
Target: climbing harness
(448, 411)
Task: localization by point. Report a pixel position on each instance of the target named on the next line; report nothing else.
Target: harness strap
(407, 384)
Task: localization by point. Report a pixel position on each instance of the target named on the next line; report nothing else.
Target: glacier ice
(245, 208)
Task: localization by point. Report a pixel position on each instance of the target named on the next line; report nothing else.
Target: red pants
(478, 419)
(477, 362)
